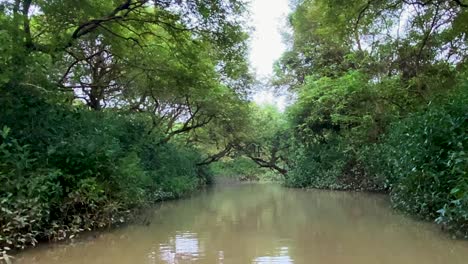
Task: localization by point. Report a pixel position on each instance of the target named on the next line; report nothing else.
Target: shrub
(66, 169)
(425, 162)
(242, 168)
(318, 166)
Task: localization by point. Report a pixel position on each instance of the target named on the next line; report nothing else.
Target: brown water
(265, 224)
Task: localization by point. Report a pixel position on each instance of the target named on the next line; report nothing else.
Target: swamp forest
(114, 109)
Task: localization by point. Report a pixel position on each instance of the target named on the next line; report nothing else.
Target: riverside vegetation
(108, 106)
(382, 102)
(102, 108)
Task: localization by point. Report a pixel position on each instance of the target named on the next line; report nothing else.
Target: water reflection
(265, 224)
(183, 247)
(282, 258)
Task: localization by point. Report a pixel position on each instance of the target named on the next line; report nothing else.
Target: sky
(266, 45)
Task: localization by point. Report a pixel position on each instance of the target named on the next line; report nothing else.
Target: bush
(242, 168)
(426, 164)
(173, 168)
(66, 169)
(317, 166)
(422, 160)
(334, 164)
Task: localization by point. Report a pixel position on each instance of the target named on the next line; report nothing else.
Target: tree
(167, 59)
(268, 144)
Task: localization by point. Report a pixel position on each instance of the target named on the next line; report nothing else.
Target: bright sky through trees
(268, 18)
(266, 44)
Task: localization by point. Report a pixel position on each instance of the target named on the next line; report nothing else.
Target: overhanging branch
(217, 156)
(268, 164)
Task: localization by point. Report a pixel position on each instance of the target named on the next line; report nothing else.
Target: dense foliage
(108, 106)
(425, 162)
(381, 102)
(241, 168)
(69, 169)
